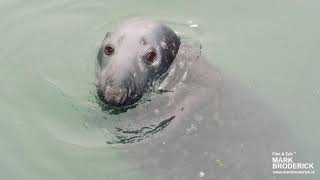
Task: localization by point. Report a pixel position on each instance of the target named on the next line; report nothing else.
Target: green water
(47, 54)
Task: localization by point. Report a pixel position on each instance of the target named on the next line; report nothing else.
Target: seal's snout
(115, 96)
(117, 88)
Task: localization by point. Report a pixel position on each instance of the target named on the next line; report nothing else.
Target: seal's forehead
(138, 29)
(144, 25)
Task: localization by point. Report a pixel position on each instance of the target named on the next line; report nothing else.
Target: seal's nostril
(100, 94)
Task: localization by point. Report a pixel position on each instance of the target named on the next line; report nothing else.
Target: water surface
(47, 55)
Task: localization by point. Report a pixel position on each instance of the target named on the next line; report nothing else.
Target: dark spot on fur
(121, 38)
(143, 41)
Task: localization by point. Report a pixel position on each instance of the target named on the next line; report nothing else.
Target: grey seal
(214, 128)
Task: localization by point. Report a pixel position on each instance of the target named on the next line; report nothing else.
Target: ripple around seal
(125, 125)
(131, 136)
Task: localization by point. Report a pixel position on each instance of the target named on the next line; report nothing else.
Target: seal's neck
(179, 69)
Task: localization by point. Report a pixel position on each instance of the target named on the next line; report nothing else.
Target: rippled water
(52, 127)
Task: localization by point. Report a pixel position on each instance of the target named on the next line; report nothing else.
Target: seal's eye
(151, 56)
(108, 50)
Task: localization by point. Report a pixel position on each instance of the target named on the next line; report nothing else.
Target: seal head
(131, 58)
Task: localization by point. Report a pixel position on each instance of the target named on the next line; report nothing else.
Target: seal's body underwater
(218, 130)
